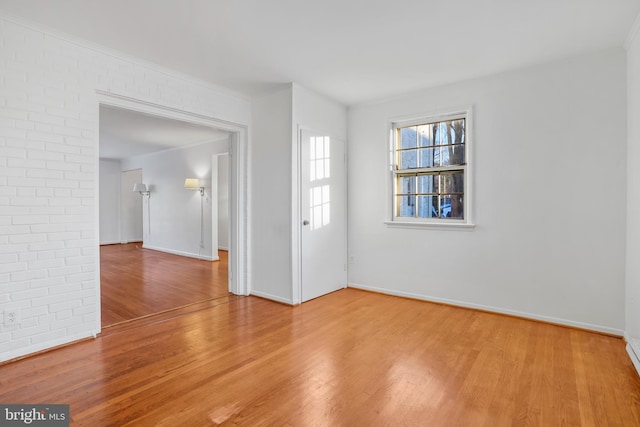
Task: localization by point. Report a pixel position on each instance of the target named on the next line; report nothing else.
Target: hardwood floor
(136, 282)
(351, 358)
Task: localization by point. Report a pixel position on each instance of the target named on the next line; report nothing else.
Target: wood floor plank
(137, 282)
(348, 358)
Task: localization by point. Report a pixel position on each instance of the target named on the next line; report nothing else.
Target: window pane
(406, 206)
(408, 137)
(453, 182)
(449, 155)
(408, 159)
(443, 157)
(431, 194)
(451, 206)
(427, 206)
(426, 157)
(424, 136)
(458, 131)
(428, 184)
(407, 184)
(436, 156)
(440, 134)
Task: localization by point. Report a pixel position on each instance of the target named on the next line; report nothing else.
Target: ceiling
(350, 50)
(125, 133)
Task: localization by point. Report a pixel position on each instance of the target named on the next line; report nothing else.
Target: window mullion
(407, 154)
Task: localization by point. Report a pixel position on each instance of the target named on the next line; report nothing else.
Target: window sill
(430, 225)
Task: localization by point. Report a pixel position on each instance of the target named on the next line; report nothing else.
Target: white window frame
(440, 223)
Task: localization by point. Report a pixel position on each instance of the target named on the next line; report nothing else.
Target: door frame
(296, 209)
(238, 183)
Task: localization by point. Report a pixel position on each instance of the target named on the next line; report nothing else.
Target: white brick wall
(48, 178)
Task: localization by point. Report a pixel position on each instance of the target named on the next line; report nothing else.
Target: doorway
(235, 138)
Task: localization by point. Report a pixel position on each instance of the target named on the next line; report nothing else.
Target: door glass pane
(319, 148)
(406, 206)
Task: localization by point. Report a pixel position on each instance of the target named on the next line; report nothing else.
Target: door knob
(305, 222)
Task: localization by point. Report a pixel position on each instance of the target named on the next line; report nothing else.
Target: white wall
(109, 201)
(550, 147)
(49, 173)
(270, 181)
(632, 299)
(313, 112)
(130, 207)
(276, 118)
(171, 222)
(223, 202)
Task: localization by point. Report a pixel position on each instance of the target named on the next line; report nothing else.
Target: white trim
(431, 118)
(634, 355)
(147, 107)
(533, 316)
(633, 32)
(112, 242)
(633, 350)
(96, 226)
(181, 253)
(29, 350)
(452, 113)
(238, 191)
(271, 297)
(449, 225)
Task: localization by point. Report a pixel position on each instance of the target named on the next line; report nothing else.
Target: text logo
(34, 415)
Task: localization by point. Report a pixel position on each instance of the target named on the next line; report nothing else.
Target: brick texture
(48, 174)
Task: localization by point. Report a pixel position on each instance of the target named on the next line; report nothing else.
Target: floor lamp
(194, 184)
(144, 191)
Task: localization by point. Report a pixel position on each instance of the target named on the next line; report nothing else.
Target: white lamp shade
(192, 183)
(140, 187)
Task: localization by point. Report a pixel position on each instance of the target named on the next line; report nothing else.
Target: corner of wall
(633, 33)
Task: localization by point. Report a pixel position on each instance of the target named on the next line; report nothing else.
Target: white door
(323, 209)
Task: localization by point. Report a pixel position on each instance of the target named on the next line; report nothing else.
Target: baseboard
(119, 242)
(11, 356)
(633, 350)
(525, 315)
(271, 297)
(181, 253)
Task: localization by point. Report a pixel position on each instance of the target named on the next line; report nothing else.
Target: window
(430, 170)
